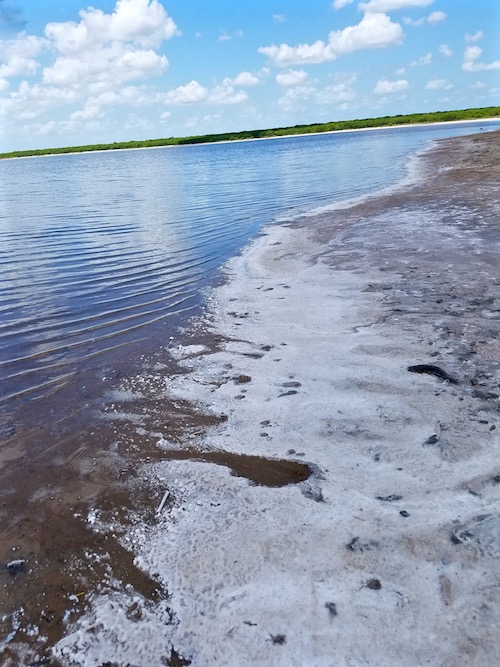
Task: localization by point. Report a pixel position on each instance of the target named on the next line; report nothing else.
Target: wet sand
(325, 505)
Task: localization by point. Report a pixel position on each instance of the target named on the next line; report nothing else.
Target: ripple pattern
(99, 252)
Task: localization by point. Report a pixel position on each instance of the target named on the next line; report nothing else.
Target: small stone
(278, 639)
(404, 513)
(242, 379)
(332, 608)
(374, 584)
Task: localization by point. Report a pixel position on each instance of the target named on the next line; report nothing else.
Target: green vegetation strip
(384, 121)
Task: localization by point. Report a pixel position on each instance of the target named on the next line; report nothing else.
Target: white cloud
(4, 85)
(439, 84)
(191, 93)
(470, 64)
(284, 54)
(385, 87)
(423, 60)
(337, 94)
(195, 93)
(142, 22)
(373, 31)
(475, 37)
(111, 66)
(436, 17)
(32, 101)
(338, 4)
(400, 71)
(243, 79)
(278, 18)
(414, 22)
(226, 37)
(296, 96)
(445, 50)
(224, 94)
(291, 78)
(390, 5)
(17, 56)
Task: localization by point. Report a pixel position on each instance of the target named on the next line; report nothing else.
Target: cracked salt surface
(396, 563)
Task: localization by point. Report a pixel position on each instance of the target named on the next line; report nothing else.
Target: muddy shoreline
(410, 278)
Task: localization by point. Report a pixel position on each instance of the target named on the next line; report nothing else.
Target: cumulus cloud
(445, 50)
(95, 56)
(339, 93)
(110, 48)
(390, 5)
(439, 84)
(142, 22)
(475, 37)
(32, 101)
(470, 64)
(191, 93)
(436, 17)
(291, 78)
(115, 65)
(373, 31)
(18, 55)
(243, 79)
(338, 4)
(195, 93)
(422, 61)
(296, 96)
(414, 22)
(385, 87)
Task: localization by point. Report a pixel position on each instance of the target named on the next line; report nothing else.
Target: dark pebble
(404, 513)
(332, 608)
(278, 639)
(374, 584)
(242, 379)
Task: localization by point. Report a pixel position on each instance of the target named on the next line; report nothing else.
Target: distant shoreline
(186, 142)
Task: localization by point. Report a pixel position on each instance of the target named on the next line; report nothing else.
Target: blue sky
(112, 70)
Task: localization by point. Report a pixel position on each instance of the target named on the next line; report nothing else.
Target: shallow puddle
(257, 469)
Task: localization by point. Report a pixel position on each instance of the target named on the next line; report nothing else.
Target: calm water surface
(103, 255)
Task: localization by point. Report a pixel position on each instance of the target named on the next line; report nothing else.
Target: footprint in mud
(292, 388)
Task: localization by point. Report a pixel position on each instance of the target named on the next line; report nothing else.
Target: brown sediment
(257, 469)
(74, 466)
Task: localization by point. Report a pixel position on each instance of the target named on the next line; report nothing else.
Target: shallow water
(104, 255)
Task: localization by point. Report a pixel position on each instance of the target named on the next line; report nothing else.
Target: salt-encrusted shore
(389, 553)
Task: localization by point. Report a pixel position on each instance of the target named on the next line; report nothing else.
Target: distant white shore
(284, 136)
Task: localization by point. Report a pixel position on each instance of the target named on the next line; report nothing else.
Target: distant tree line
(315, 128)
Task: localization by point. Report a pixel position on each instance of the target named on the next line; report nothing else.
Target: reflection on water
(104, 254)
